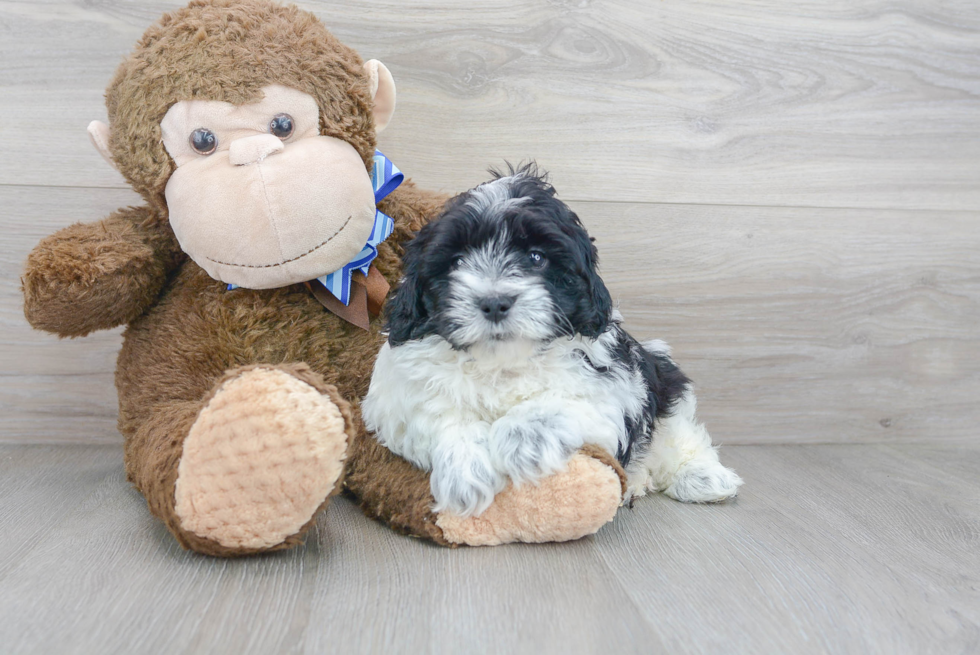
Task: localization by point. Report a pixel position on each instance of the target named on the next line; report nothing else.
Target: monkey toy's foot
(564, 506)
(264, 454)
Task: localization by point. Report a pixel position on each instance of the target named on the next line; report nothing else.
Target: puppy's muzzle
(495, 308)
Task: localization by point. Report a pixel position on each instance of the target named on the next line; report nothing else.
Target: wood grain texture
(803, 325)
(828, 549)
(811, 325)
(799, 323)
(849, 104)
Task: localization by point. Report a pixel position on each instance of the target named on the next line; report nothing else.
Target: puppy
(505, 356)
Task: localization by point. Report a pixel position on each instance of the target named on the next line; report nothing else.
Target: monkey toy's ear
(98, 132)
(383, 92)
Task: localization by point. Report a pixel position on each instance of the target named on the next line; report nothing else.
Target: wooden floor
(789, 193)
(829, 549)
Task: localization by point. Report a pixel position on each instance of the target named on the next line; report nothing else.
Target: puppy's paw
(528, 447)
(703, 481)
(463, 481)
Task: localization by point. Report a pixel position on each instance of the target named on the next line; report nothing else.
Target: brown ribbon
(367, 297)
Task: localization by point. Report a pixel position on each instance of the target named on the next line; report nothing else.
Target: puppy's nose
(251, 149)
(495, 309)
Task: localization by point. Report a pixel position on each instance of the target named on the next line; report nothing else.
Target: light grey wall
(788, 194)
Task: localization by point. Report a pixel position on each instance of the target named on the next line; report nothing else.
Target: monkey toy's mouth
(287, 261)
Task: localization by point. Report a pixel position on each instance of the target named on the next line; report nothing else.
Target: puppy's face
(505, 262)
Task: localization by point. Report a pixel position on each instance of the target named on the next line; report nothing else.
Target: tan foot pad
(564, 506)
(262, 456)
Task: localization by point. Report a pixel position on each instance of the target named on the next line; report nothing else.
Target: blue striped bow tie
(385, 178)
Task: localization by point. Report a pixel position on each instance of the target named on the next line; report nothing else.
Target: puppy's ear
(597, 317)
(592, 317)
(406, 314)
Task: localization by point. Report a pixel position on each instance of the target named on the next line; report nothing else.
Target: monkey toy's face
(252, 129)
(259, 198)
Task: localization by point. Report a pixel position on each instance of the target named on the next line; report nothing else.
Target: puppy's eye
(281, 126)
(537, 259)
(204, 141)
(457, 262)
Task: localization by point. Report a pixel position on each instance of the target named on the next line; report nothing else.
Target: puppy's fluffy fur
(505, 356)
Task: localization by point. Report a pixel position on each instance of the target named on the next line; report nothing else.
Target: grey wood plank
(829, 548)
(869, 104)
(838, 549)
(811, 324)
(411, 596)
(109, 579)
(40, 487)
(827, 325)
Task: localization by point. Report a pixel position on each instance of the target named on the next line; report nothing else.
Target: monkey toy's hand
(95, 276)
(563, 506)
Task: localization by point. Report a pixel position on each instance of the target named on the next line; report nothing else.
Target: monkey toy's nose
(252, 149)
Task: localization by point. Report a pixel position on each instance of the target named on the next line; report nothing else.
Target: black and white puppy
(505, 356)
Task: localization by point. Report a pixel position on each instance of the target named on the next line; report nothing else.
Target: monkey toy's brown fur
(268, 365)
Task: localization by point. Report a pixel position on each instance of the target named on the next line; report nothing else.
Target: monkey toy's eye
(537, 259)
(203, 141)
(281, 126)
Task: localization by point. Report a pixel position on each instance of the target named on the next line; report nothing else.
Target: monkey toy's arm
(94, 276)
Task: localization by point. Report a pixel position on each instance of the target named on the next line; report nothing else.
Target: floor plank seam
(597, 201)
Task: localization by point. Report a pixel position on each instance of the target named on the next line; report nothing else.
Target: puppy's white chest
(492, 392)
(424, 393)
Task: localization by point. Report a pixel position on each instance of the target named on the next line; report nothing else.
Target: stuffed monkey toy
(251, 282)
